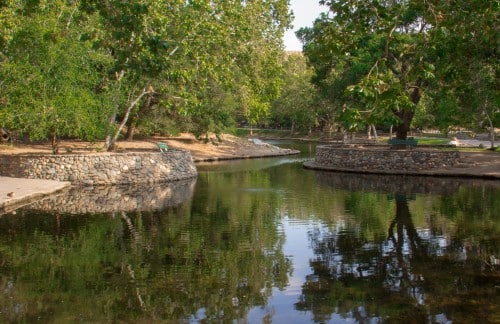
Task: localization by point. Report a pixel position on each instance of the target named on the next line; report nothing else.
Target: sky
(305, 12)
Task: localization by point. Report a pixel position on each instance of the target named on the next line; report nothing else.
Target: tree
(191, 51)
(260, 56)
(467, 66)
(295, 107)
(371, 59)
(48, 75)
(191, 64)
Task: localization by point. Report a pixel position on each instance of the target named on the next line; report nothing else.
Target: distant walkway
(477, 143)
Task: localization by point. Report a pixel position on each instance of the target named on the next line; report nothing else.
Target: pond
(258, 241)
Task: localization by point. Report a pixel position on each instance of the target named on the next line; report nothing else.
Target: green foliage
(376, 60)
(101, 65)
(296, 108)
(467, 65)
(49, 77)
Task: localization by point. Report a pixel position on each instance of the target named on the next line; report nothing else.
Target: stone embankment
(378, 159)
(101, 168)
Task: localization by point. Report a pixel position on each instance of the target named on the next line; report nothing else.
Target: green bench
(163, 147)
(409, 142)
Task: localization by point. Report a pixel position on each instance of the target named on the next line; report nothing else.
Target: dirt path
(229, 147)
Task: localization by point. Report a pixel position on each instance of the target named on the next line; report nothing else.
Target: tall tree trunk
(374, 131)
(54, 142)
(110, 145)
(490, 124)
(107, 142)
(131, 125)
(406, 114)
(136, 115)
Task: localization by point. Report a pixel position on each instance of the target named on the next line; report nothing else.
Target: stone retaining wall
(101, 168)
(384, 159)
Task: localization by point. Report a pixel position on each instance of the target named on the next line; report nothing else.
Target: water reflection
(426, 273)
(108, 199)
(268, 243)
(399, 184)
(190, 261)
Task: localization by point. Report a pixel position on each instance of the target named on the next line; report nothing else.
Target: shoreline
(482, 166)
(19, 192)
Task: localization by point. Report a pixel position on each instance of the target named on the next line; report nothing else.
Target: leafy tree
(260, 57)
(467, 65)
(135, 35)
(181, 65)
(296, 107)
(189, 55)
(390, 61)
(371, 59)
(49, 76)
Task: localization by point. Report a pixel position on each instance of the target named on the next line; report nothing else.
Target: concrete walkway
(15, 192)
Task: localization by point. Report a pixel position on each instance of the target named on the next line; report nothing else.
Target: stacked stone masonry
(381, 159)
(102, 168)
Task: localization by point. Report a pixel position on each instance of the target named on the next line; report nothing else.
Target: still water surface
(258, 241)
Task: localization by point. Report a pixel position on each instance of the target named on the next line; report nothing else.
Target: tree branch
(146, 90)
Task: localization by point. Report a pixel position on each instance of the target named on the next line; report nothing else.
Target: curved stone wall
(381, 159)
(101, 168)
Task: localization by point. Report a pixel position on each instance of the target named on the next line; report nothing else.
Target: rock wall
(384, 159)
(101, 168)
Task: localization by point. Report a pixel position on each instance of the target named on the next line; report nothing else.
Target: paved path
(476, 164)
(477, 143)
(15, 192)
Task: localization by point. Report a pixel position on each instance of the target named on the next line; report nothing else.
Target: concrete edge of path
(16, 192)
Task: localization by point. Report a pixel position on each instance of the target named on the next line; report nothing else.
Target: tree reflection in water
(222, 249)
(413, 273)
(147, 255)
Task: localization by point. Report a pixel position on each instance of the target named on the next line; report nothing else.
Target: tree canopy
(93, 68)
(376, 60)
